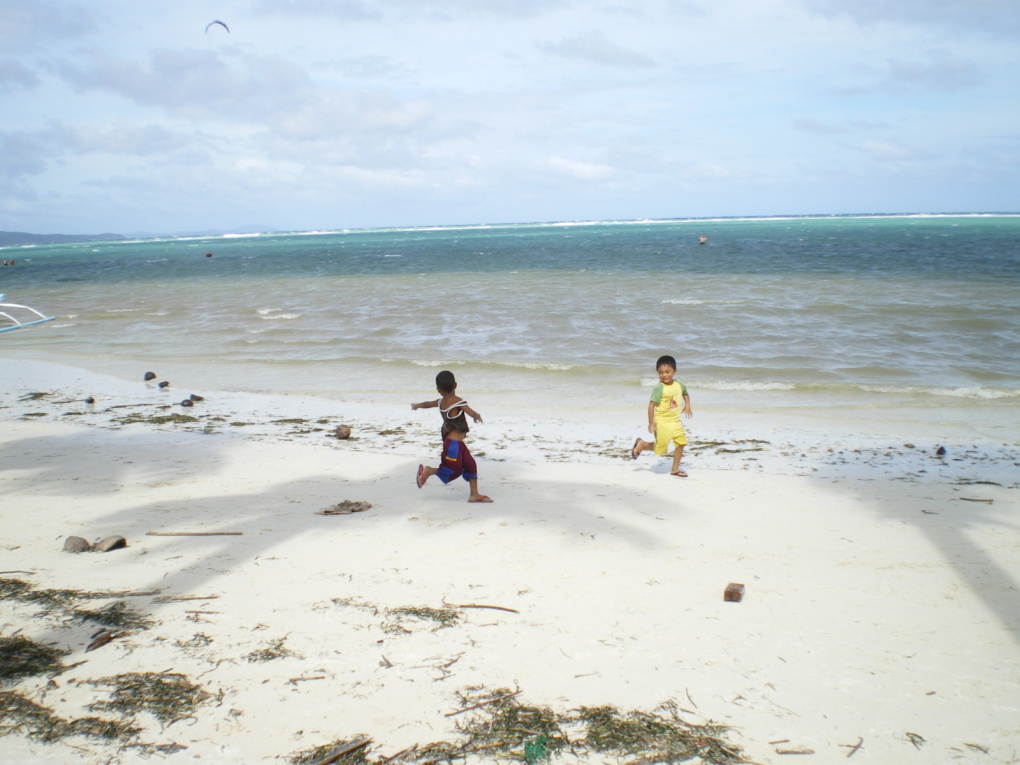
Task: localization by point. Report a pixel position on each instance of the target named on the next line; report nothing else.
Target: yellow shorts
(671, 430)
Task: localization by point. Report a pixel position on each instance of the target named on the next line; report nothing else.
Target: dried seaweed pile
(499, 727)
(167, 696)
(62, 604)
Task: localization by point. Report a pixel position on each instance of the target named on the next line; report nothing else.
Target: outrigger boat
(17, 323)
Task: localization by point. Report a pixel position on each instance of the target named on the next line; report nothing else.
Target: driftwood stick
(975, 499)
(482, 704)
(17, 572)
(855, 747)
(201, 612)
(194, 533)
(296, 680)
(795, 750)
(347, 749)
(478, 605)
(176, 598)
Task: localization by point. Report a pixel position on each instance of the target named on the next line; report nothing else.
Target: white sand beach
(882, 583)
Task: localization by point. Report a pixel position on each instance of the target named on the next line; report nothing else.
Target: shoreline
(881, 582)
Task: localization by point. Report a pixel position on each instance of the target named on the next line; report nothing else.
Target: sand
(881, 582)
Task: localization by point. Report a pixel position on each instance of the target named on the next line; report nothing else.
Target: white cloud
(579, 171)
(594, 47)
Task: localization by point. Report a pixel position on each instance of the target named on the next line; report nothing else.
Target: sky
(332, 114)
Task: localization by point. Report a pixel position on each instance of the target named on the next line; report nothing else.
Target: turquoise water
(799, 312)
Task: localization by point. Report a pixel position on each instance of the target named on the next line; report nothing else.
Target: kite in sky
(216, 22)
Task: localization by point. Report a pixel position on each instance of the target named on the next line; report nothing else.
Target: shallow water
(868, 314)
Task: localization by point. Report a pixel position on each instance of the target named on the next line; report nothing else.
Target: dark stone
(187, 402)
(343, 432)
(164, 384)
(150, 376)
(196, 398)
(941, 451)
(110, 543)
(90, 400)
(76, 545)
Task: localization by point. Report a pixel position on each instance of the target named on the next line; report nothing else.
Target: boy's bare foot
(480, 498)
(634, 450)
(421, 476)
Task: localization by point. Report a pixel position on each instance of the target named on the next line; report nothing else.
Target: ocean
(866, 318)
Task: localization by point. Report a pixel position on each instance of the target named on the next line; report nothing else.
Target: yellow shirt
(669, 400)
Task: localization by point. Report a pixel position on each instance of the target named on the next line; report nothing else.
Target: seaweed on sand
(21, 715)
(167, 696)
(22, 657)
(61, 603)
(441, 617)
(661, 736)
(275, 650)
(499, 727)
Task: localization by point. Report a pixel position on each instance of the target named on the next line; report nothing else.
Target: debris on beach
(346, 507)
(115, 542)
(502, 727)
(76, 545)
(149, 376)
(734, 593)
(343, 432)
(164, 384)
(101, 638)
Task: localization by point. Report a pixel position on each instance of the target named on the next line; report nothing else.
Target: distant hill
(14, 238)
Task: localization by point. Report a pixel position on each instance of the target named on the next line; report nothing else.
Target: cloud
(595, 48)
(15, 76)
(578, 171)
(196, 83)
(941, 71)
(991, 17)
(24, 25)
(21, 153)
(885, 151)
(445, 11)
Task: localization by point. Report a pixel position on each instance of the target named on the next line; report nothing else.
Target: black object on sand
(187, 402)
(164, 384)
(150, 376)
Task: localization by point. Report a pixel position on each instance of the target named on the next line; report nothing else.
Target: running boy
(456, 460)
(664, 416)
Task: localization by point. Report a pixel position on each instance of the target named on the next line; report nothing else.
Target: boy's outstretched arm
(688, 412)
(472, 413)
(425, 404)
(651, 416)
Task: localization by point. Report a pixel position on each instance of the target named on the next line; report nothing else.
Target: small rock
(90, 400)
(940, 452)
(164, 384)
(187, 402)
(343, 432)
(110, 543)
(196, 398)
(150, 376)
(76, 545)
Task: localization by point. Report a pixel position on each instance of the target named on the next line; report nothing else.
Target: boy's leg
(639, 446)
(471, 476)
(678, 454)
(474, 496)
(425, 473)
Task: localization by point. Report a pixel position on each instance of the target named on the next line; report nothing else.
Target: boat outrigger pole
(17, 323)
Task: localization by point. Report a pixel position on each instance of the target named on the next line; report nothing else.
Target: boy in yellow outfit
(664, 416)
